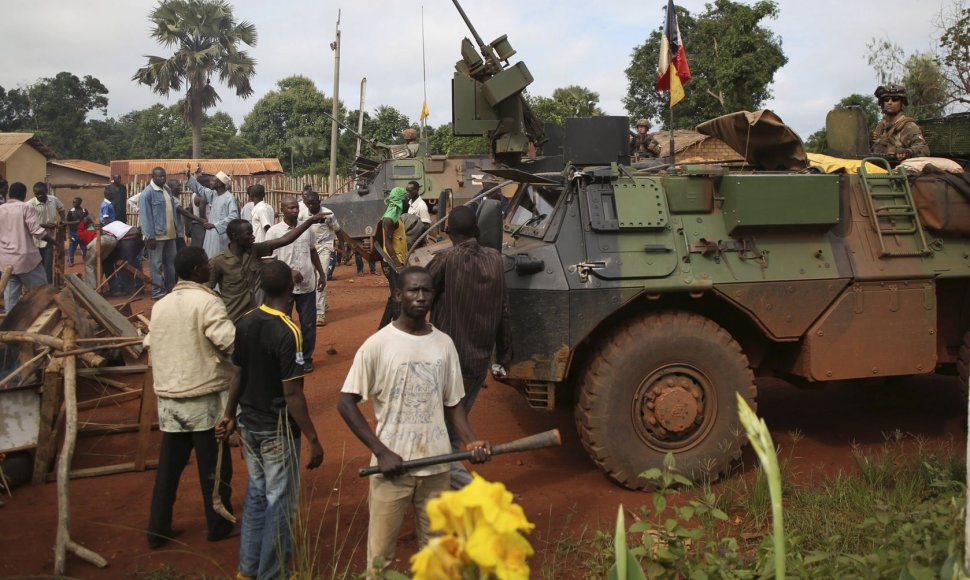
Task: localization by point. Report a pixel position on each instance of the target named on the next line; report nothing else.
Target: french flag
(673, 72)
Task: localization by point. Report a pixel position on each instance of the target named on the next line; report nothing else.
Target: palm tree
(206, 38)
(581, 101)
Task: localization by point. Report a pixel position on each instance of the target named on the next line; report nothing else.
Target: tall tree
(579, 101)
(443, 141)
(548, 110)
(733, 60)
(926, 87)
(954, 51)
(295, 109)
(59, 107)
(387, 125)
(207, 40)
(14, 110)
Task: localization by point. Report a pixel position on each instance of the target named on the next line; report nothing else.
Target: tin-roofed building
(23, 157)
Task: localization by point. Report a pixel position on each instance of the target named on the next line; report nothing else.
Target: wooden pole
(63, 544)
(24, 368)
(5, 278)
(96, 283)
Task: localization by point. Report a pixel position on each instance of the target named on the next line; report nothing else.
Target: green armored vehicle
(649, 295)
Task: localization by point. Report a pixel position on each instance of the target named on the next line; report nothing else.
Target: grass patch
(898, 513)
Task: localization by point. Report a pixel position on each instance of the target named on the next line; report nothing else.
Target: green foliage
(548, 110)
(442, 141)
(954, 53)
(386, 126)
(58, 111)
(14, 110)
(160, 132)
(733, 59)
(207, 39)
(285, 120)
(900, 515)
(925, 86)
(578, 101)
(886, 58)
(571, 101)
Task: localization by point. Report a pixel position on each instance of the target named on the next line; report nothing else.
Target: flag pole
(424, 75)
(672, 155)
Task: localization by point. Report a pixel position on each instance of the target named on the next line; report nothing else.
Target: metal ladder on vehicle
(891, 208)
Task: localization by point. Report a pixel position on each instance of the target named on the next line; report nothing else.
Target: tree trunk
(196, 113)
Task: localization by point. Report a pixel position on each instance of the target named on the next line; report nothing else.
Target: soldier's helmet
(891, 90)
(643, 123)
(410, 134)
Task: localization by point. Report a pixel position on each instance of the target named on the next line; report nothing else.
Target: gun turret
(487, 97)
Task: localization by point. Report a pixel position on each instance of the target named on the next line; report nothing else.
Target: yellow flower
(495, 505)
(448, 514)
(503, 554)
(439, 560)
(481, 523)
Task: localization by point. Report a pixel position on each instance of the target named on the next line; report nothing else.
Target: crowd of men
(230, 356)
(421, 378)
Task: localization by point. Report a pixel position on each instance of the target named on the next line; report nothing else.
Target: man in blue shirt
(161, 226)
(107, 211)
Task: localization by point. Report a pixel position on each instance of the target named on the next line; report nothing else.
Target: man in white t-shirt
(411, 373)
(263, 215)
(309, 275)
(324, 235)
(417, 206)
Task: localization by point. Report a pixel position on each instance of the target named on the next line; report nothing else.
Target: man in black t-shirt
(273, 414)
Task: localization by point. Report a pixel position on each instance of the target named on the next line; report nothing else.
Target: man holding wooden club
(411, 373)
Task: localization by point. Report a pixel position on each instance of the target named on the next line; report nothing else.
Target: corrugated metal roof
(98, 169)
(254, 166)
(10, 142)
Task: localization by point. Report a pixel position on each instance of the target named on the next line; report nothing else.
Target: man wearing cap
(161, 227)
(896, 134)
(642, 144)
(222, 208)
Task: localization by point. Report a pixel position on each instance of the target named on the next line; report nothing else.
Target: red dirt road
(560, 489)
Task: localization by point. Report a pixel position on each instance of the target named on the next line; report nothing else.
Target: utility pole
(360, 114)
(335, 47)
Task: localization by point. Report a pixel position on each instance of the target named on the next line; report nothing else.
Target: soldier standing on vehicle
(643, 145)
(896, 134)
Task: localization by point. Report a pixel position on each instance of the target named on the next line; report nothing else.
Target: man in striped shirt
(471, 305)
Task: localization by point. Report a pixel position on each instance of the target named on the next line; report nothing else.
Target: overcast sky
(564, 42)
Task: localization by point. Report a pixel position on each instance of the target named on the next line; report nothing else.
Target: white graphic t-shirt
(409, 380)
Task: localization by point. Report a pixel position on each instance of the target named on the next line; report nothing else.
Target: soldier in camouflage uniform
(896, 133)
(643, 145)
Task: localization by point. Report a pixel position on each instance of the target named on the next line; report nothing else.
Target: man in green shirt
(235, 270)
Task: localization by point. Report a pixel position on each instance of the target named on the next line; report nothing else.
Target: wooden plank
(124, 370)
(115, 398)
(109, 469)
(32, 305)
(106, 382)
(111, 429)
(69, 308)
(50, 404)
(145, 417)
(103, 312)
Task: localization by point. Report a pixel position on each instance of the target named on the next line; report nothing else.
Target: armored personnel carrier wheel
(664, 382)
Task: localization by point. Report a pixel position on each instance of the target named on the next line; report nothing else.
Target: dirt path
(561, 490)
